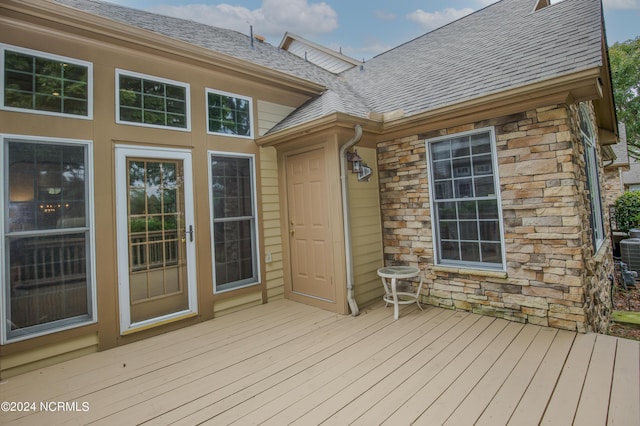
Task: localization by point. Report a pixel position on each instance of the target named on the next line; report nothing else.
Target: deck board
(445, 394)
(474, 404)
(287, 363)
(507, 398)
(624, 402)
(594, 401)
(534, 402)
(564, 401)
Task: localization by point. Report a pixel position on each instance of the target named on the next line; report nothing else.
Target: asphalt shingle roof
(505, 45)
(502, 46)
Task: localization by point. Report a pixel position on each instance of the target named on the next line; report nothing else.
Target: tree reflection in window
(229, 114)
(43, 84)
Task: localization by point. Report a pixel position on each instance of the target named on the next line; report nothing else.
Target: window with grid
(48, 84)
(229, 114)
(47, 236)
(234, 221)
(593, 179)
(152, 101)
(466, 206)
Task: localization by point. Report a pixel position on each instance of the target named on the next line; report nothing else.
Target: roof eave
(329, 121)
(605, 107)
(80, 23)
(579, 86)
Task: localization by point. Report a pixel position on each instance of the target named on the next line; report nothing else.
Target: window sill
(602, 251)
(469, 271)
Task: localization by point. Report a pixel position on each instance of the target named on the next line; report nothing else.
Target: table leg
(387, 293)
(396, 307)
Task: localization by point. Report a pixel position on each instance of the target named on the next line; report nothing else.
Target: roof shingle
(505, 45)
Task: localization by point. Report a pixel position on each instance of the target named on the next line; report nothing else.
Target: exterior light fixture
(355, 160)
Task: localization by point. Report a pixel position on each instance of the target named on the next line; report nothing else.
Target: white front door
(156, 236)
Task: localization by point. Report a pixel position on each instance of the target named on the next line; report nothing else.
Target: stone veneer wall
(553, 277)
(612, 185)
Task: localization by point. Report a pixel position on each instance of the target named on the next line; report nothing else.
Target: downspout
(345, 218)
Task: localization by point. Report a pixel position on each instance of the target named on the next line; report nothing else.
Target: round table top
(398, 272)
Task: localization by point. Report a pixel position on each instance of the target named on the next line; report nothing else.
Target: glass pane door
(156, 248)
(157, 273)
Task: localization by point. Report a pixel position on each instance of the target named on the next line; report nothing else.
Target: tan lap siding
(366, 231)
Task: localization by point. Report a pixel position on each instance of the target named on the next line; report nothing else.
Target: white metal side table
(394, 273)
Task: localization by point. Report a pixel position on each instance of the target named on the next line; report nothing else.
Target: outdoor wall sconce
(358, 166)
(355, 160)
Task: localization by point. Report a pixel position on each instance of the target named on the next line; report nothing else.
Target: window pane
(491, 252)
(48, 103)
(442, 170)
(176, 107)
(155, 118)
(175, 92)
(46, 186)
(440, 150)
(462, 167)
(482, 165)
(132, 115)
(470, 251)
(462, 170)
(233, 251)
(152, 102)
(469, 230)
(484, 187)
(460, 147)
(480, 143)
(233, 221)
(447, 211)
(448, 230)
(48, 279)
(488, 209)
(153, 88)
(467, 210)
(444, 190)
(464, 188)
(44, 84)
(593, 178)
(229, 114)
(450, 250)
(231, 187)
(48, 282)
(131, 84)
(490, 230)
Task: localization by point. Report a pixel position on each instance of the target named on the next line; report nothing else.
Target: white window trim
(496, 179)
(187, 100)
(93, 305)
(231, 95)
(45, 55)
(255, 230)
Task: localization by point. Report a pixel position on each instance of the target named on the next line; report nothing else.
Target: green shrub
(627, 211)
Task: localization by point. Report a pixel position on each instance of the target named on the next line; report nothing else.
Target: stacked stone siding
(553, 276)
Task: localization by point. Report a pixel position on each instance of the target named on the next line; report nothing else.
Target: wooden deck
(285, 362)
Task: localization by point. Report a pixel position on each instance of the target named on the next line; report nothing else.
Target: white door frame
(121, 170)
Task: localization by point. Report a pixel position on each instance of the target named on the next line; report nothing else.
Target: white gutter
(345, 218)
